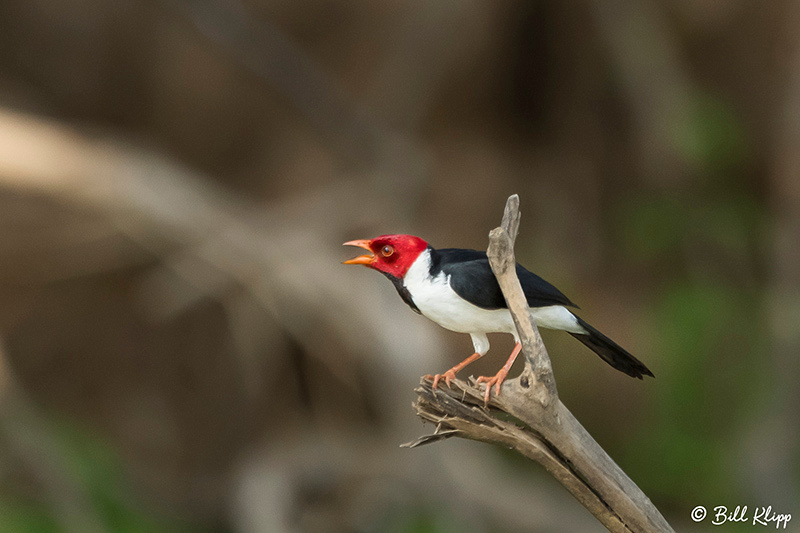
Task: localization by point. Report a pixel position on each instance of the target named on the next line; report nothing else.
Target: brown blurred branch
(211, 238)
(267, 52)
(260, 46)
(654, 88)
(544, 429)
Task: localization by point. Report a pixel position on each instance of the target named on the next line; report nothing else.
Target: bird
(456, 289)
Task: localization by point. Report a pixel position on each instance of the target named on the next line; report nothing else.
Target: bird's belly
(473, 319)
(449, 310)
(464, 317)
(439, 302)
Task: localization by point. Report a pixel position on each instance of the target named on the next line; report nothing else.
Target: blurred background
(181, 349)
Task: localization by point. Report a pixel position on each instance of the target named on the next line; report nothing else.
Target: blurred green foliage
(713, 138)
(23, 517)
(706, 317)
(94, 473)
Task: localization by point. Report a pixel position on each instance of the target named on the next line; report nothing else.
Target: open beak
(361, 259)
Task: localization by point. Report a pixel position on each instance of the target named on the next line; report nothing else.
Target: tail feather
(611, 352)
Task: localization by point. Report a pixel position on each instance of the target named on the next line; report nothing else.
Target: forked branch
(545, 431)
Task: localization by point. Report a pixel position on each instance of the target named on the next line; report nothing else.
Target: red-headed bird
(457, 289)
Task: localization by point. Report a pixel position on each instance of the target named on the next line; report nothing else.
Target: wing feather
(472, 278)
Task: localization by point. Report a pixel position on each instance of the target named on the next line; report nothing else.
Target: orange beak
(361, 259)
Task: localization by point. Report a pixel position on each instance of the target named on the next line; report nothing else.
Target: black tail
(611, 352)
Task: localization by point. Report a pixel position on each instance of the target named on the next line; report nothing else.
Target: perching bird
(457, 289)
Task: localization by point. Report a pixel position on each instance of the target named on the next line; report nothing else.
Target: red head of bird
(390, 254)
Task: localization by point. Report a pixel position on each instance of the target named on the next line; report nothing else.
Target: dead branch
(545, 430)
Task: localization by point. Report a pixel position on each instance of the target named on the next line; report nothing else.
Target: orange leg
(498, 378)
(451, 374)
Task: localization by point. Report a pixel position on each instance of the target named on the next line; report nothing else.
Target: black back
(472, 278)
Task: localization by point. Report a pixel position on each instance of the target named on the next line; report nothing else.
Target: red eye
(387, 250)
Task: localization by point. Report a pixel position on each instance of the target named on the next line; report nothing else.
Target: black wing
(471, 278)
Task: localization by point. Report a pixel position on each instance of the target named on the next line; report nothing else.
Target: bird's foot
(496, 380)
(450, 374)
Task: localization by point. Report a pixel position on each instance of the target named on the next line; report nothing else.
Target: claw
(451, 374)
(438, 377)
(498, 379)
